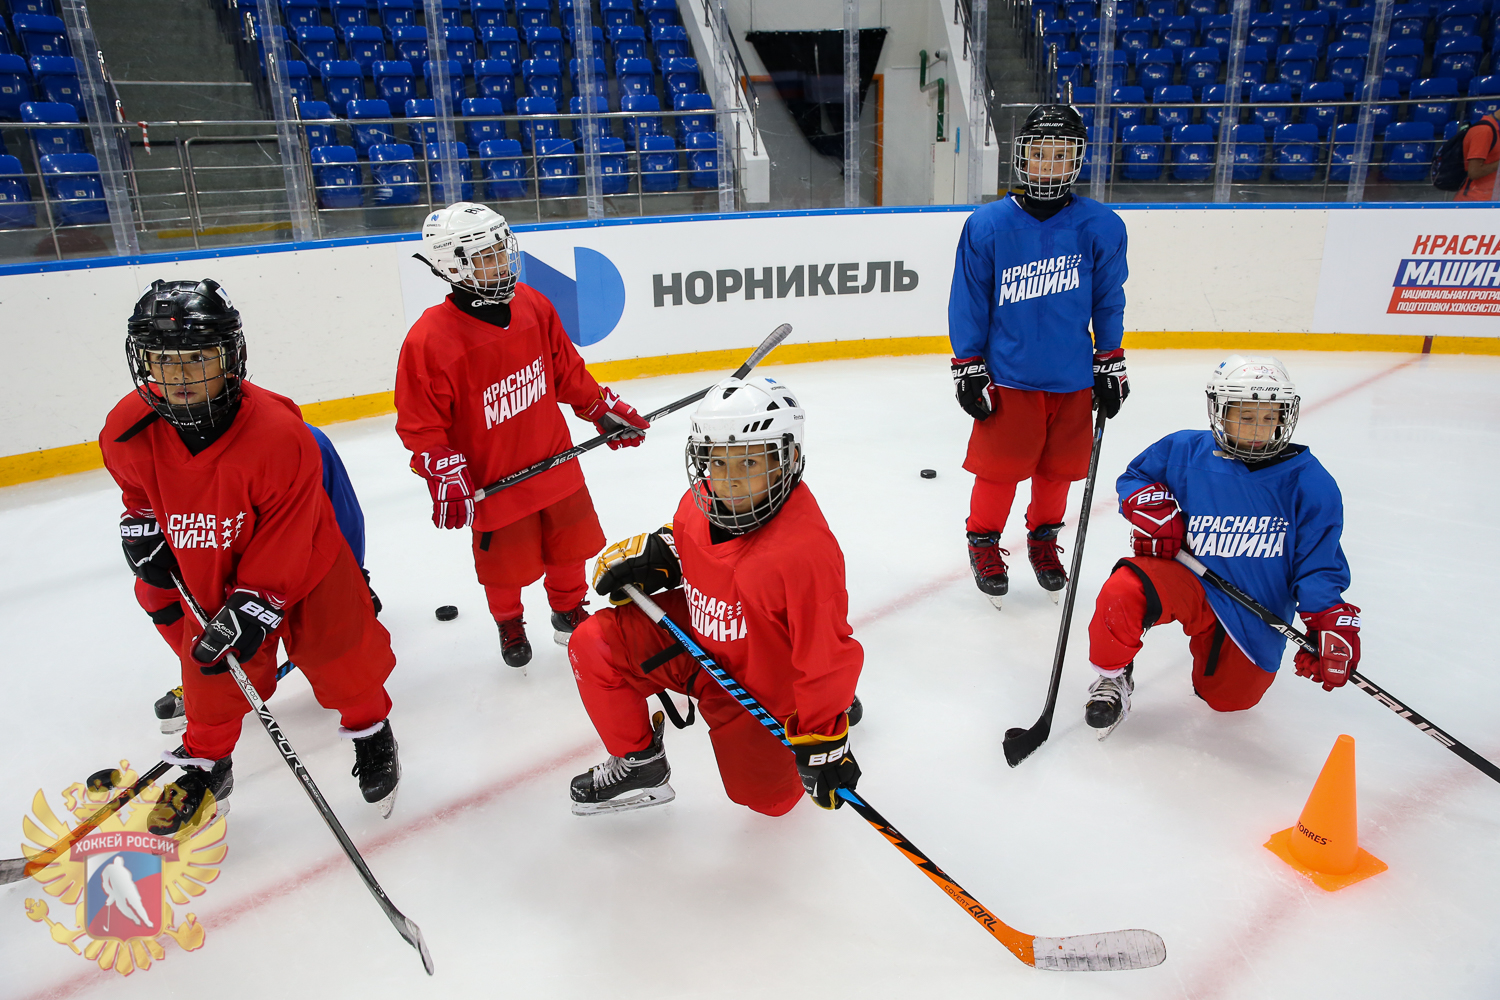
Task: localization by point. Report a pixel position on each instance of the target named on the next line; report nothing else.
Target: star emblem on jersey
(118, 884)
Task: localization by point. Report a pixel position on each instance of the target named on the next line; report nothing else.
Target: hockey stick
(777, 336)
(404, 925)
(1111, 951)
(16, 869)
(1360, 681)
(1022, 743)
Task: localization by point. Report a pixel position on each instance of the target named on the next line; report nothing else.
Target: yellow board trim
(45, 463)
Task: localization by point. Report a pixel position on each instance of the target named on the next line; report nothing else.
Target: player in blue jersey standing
(1035, 270)
(1258, 510)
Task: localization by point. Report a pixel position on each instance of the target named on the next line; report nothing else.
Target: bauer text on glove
(649, 561)
(248, 616)
(1111, 386)
(447, 475)
(1156, 524)
(1336, 634)
(972, 386)
(825, 763)
(610, 413)
(146, 549)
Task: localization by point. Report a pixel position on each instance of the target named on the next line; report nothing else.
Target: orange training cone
(1324, 845)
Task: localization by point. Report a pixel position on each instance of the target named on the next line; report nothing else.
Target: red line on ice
(1364, 383)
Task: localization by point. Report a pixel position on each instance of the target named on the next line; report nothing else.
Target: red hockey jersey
(247, 511)
(772, 608)
(492, 394)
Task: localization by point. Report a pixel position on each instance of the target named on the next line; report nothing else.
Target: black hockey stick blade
(1022, 743)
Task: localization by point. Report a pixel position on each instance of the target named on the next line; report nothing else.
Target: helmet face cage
(1054, 181)
(186, 351)
(753, 479)
(1218, 410)
(501, 286)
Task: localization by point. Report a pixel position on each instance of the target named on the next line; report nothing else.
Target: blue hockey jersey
(1272, 531)
(1024, 293)
(346, 509)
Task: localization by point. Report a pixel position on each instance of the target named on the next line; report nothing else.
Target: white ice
(1159, 827)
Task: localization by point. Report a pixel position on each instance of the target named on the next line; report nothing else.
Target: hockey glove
(447, 475)
(1336, 633)
(972, 386)
(1156, 525)
(146, 549)
(239, 628)
(824, 763)
(649, 561)
(1111, 386)
(610, 413)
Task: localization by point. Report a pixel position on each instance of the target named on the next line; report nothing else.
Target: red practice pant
(555, 541)
(1042, 436)
(1145, 591)
(608, 651)
(332, 636)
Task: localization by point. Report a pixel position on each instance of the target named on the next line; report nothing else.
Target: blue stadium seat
(504, 169)
(703, 159)
(394, 82)
(533, 13)
(1069, 70)
(1173, 107)
(1311, 28)
(687, 124)
(1458, 58)
(503, 43)
(1123, 118)
(1356, 24)
(1403, 61)
(617, 13)
(1331, 7)
(260, 49)
(464, 172)
(15, 86)
(320, 134)
(1430, 108)
(462, 48)
(1249, 153)
(366, 46)
(421, 124)
(1265, 30)
(542, 78)
(456, 88)
(557, 168)
(411, 44)
(601, 78)
(349, 14)
(41, 35)
(53, 141)
(336, 177)
(476, 133)
(1286, 10)
(1215, 31)
(343, 81)
(487, 13)
(1409, 22)
(629, 42)
(1296, 153)
(545, 43)
(57, 81)
(1086, 171)
(397, 14)
(1324, 118)
(1341, 153)
(367, 134)
(1156, 68)
(1408, 150)
(531, 131)
(299, 14)
(299, 79)
(614, 165)
(637, 129)
(1083, 102)
(659, 163)
(600, 105)
(318, 45)
(636, 77)
(1200, 68)
(1203, 8)
(1079, 11)
(1142, 153)
(1088, 39)
(74, 188)
(16, 209)
(1121, 67)
(670, 41)
(1061, 34)
(660, 13)
(569, 33)
(453, 15)
(32, 7)
(681, 76)
(1384, 114)
(1459, 19)
(1192, 152)
(496, 78)
(1346, 64)
(1179, 34)
(1136, 34)
(1213, 106)
(393, 170)
(1158, 9)
(1484, 96)
(1270, 105)
(1253, 71)
(1295, 65)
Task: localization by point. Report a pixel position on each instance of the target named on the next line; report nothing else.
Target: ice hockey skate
(1109, 701)
(564, 622)
(634, 781)
(515, 648)
(377, 765)
(170, 713)
(990, 573)
(1042, 549)
(197, 796)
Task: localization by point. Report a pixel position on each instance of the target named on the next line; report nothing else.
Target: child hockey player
(477, 389)
(228, 481)
(1034, 270)
(751, 567)
(1256, 509)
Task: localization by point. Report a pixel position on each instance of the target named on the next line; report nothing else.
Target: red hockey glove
(610, 413)
(248, 616)
(447, 475)
(146, 549)
(824, 763)
(1156, 524)
(972, 386)
(1110, 384)
(1336, 633)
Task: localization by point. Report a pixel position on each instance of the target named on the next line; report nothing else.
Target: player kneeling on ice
(750, 566)
(228, 480)
(1261, 512)
(477, 389)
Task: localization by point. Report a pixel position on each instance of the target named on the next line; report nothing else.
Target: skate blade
(174, 725)
(1055, 595)
(387, 804)
(561, 638)
(642, 799)
(997, 600)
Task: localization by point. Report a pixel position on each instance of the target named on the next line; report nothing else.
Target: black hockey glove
(1110, 383)
(971, 384)
(146, 549)
(649, 561)
(239, 628)
(824, 763)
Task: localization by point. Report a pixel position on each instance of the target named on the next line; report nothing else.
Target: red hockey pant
(555, 541)
(332, 636)
(608, 652)
(1145, 591)
(1042, 436)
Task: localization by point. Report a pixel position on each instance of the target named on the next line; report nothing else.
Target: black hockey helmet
(187, 333)
(1063, 126)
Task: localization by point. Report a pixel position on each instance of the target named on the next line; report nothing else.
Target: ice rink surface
(1160, 826)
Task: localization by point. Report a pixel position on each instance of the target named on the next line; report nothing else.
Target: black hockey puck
(446, 613)
(929, 473)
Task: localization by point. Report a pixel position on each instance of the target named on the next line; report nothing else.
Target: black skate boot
(376, 764)
(1109, 701)
(1042, 549)
(170, 711)
(514, 647)
(193, 797)
(990, 573)
(856, 712)
(564, 622)
(634, 781)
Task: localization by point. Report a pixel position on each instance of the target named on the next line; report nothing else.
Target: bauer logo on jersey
(1229, 536)
(514, 393)
(714, 620)
(1045, 276)
(205, 531)
(117, 889)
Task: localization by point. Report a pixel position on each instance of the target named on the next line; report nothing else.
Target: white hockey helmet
(758, 421)
(1263, 381)
(453, 237)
